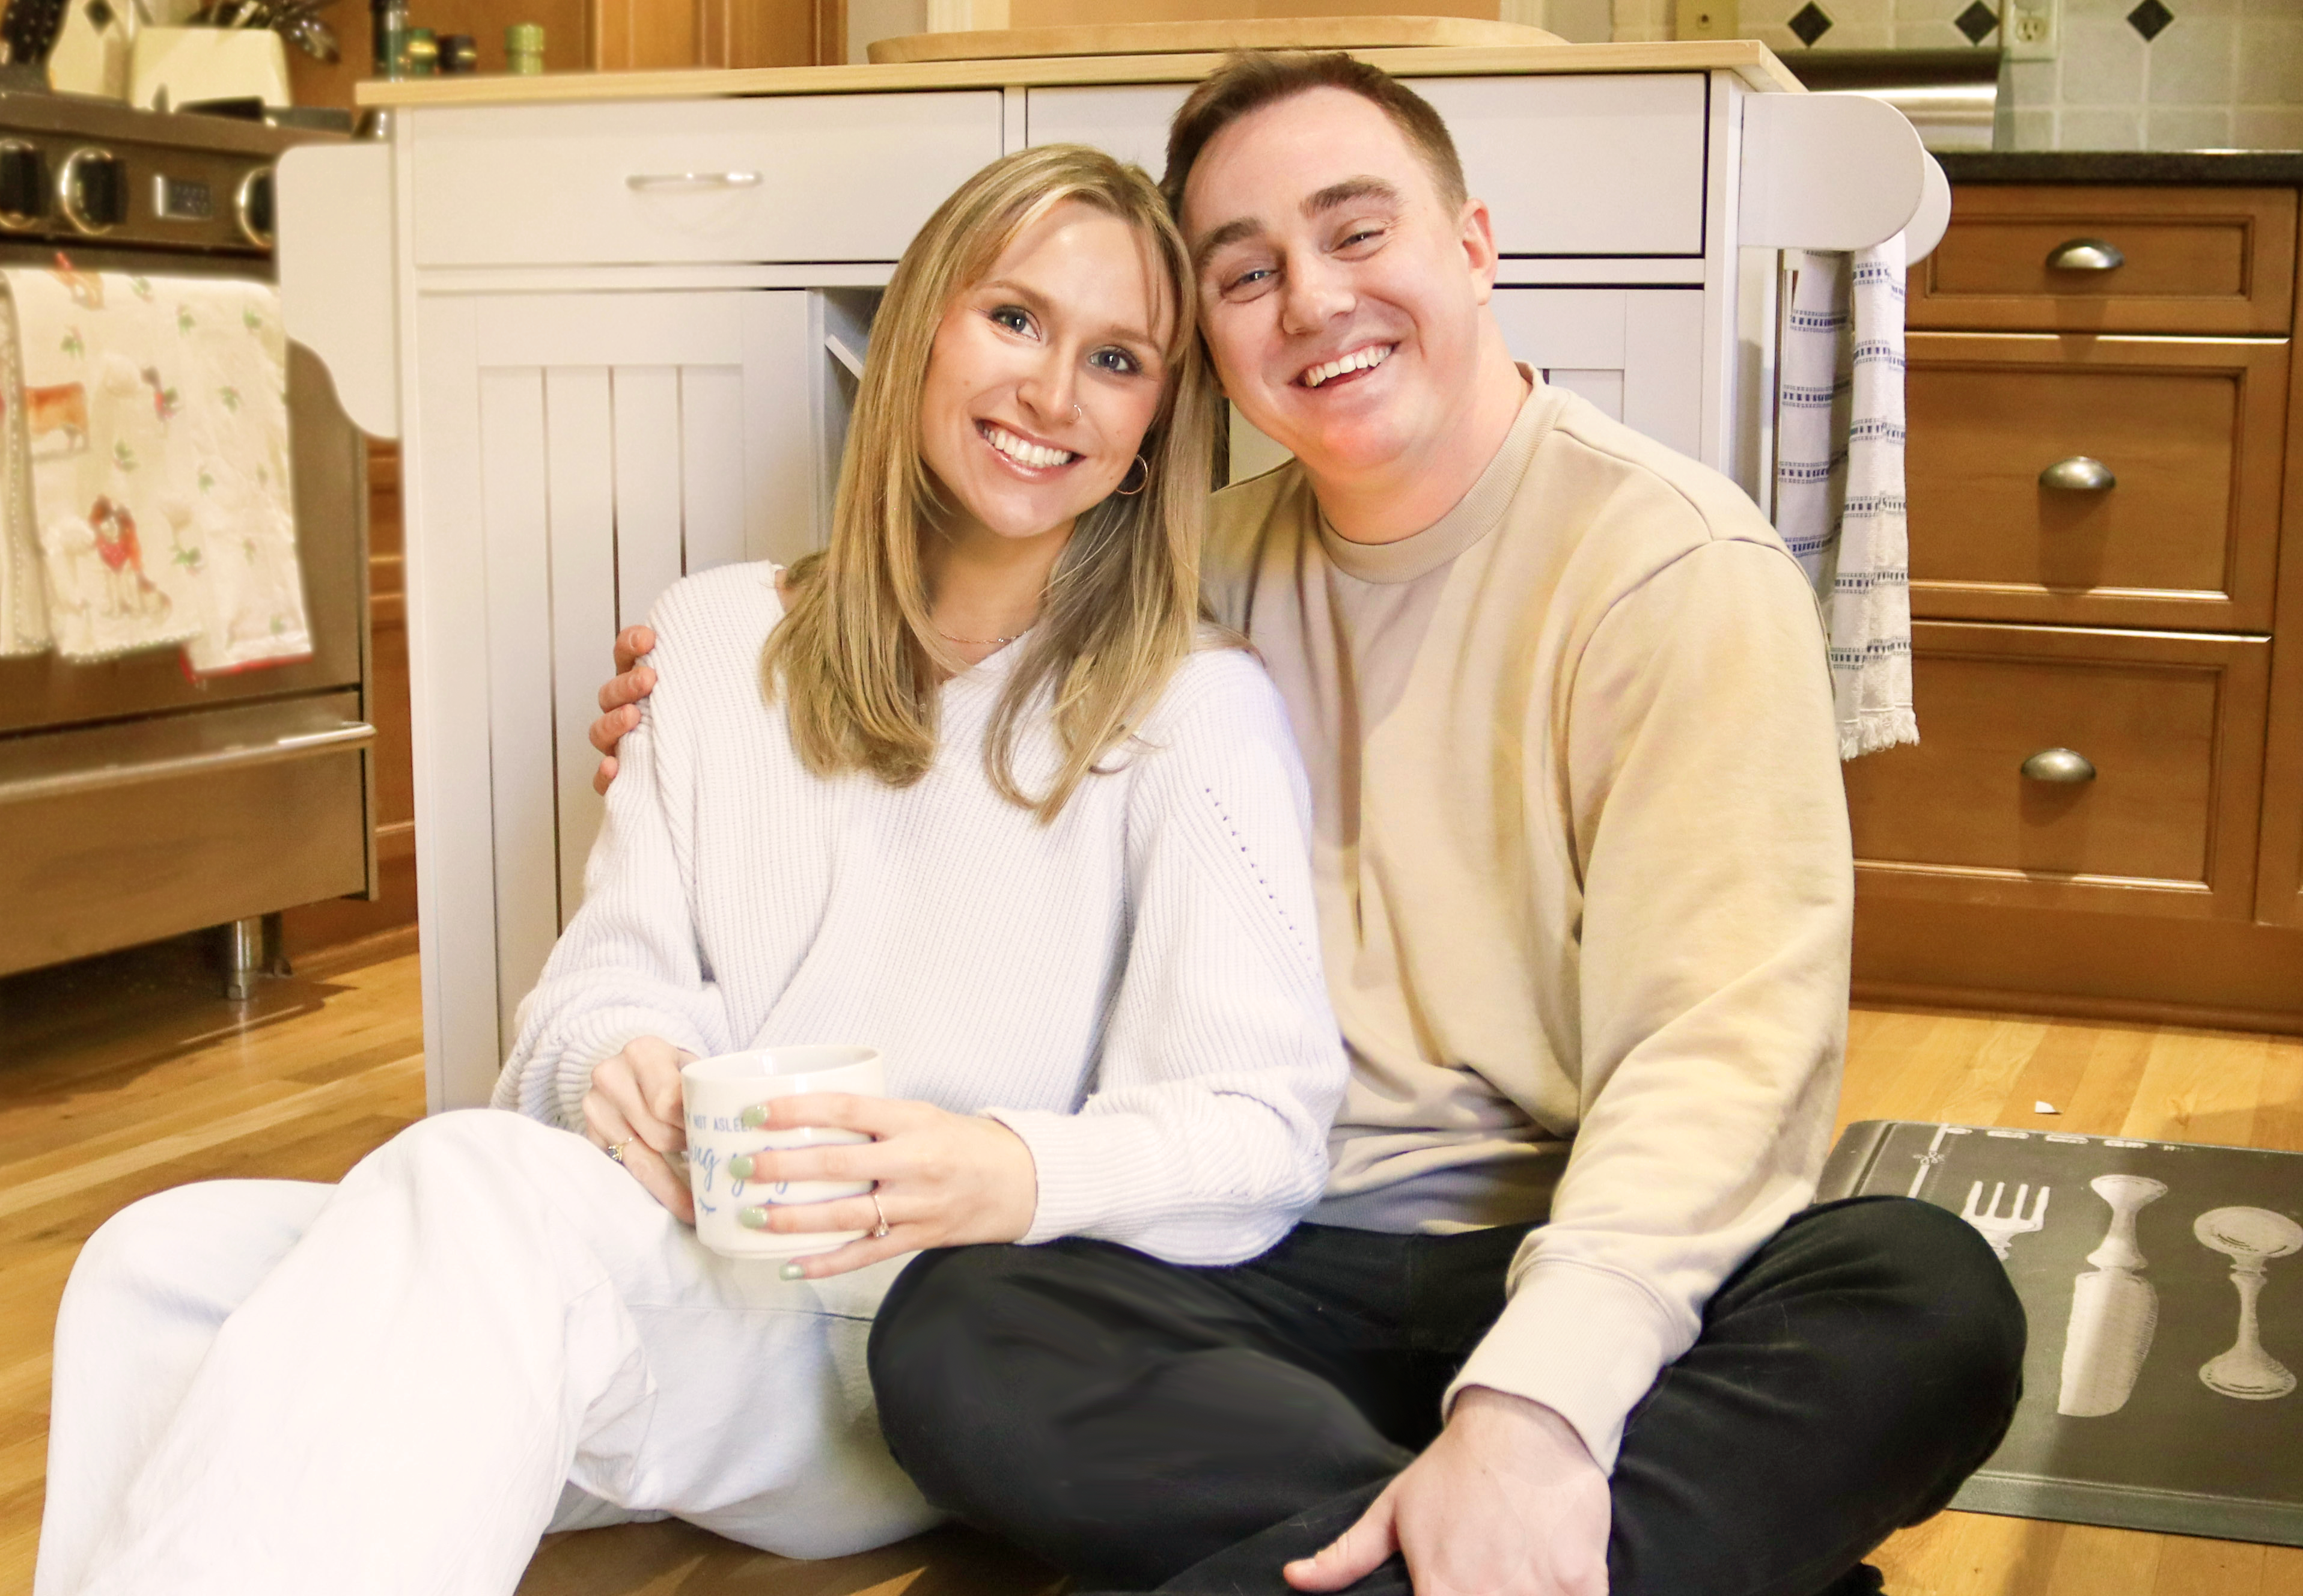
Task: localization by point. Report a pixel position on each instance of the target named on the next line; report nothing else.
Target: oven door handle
(350, 734)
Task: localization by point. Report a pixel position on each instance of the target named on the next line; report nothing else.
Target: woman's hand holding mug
(942, 1179)
(633, 1110)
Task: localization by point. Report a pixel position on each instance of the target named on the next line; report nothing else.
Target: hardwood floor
(122, 1076)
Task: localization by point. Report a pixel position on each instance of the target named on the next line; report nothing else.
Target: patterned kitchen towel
(156, 414)
(23, 598)
(1839, 478)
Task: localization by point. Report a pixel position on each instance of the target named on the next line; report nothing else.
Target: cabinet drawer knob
(2078, 474)
(656, 181)
(2068, 766)
(2086, 255)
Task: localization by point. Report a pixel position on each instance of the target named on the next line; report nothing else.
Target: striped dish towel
(1839, 478)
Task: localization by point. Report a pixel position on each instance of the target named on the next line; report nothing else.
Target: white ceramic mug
(717, 1091)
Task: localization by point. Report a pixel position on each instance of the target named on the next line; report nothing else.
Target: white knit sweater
(1134, 989)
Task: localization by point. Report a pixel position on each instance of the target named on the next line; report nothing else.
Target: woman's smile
(1032, 457)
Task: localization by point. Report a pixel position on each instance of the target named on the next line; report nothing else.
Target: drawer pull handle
(2067, 766)
(2086, 255)
(657, 182)
(2078, 474)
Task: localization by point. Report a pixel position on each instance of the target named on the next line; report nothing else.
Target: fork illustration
(2000, 1229)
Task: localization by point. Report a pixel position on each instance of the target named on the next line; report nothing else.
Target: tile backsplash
(2131, 74)
(2164, 74)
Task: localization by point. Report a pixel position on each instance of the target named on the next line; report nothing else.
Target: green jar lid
(526, 38)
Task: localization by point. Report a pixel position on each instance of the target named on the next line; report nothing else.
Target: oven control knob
(253, 206)
(92, 189)
(23, 183)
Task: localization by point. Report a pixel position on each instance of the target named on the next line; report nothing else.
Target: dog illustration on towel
(108, 532)
(57, 420)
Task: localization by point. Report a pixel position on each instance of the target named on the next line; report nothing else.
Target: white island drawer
(796, 178)
(1600, 163)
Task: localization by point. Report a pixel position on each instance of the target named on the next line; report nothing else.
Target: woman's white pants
(397, 1384)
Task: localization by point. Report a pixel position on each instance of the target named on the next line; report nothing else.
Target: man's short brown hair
(1255, 79)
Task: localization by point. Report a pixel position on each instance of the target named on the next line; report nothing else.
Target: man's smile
(1366, 358)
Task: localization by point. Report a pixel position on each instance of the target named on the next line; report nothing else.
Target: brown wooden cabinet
(2188, 260)
(2105, 811)
(2279, 873)
(2188, 435)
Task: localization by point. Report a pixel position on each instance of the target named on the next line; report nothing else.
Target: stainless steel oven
(137, 802)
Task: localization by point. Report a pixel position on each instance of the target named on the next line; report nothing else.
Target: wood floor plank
(2189, 1567)
(2198, 1086)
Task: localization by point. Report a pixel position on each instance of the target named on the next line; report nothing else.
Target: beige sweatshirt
(1584, 874)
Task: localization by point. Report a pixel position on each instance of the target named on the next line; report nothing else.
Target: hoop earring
(1143, 475)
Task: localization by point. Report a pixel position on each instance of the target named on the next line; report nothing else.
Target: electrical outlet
(2032, 30)
(1704, 19)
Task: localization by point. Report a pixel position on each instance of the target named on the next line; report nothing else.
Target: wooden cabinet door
(2170, 726)
(2187, 433)
(1637, 353)
(2163, 260)
(2279, 872)
(572, 456)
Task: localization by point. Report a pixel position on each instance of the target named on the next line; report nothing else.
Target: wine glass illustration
(2114, 1311)
(2250, 1237)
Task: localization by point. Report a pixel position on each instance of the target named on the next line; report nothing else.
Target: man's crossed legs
(1144, 1425)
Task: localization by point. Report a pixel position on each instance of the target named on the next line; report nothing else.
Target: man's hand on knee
(1506, 1502)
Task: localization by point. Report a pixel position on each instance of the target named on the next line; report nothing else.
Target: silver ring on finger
(880, 1233)
(617, 1152)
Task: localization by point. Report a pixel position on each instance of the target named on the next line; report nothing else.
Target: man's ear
(1476, 232)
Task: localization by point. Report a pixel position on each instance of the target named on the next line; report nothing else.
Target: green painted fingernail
(792, 1271)
(755, 1116)
(752, 1219)
(740, 1166)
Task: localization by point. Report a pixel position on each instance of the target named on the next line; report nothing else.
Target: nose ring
(1076, 412)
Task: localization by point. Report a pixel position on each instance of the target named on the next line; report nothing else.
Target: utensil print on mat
(2114, 1310)
(2000, 1229)
(2250, 1237)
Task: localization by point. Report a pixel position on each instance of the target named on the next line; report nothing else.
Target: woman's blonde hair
(857, 659)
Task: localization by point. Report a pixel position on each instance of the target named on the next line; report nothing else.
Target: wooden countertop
(1749, 59)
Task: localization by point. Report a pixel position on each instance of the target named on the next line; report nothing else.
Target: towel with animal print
(153, 418)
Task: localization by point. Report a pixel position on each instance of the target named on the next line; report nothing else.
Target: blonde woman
(971, 788)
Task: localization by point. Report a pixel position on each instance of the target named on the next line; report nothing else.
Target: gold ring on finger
(880, 1233)
(617, 1152)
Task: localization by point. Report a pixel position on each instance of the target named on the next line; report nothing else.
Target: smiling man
(1585, 892)
(1563, 1321)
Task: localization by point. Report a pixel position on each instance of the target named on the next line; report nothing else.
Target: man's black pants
(1139, 1423)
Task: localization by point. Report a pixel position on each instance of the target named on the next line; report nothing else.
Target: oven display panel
(183, 199)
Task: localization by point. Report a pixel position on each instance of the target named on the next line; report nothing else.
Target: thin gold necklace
(978, 642)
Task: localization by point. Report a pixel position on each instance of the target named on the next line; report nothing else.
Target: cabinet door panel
(648, 476)
(2190, 260)
(1605, 165)
(781, 178)
(615, 441)
(579, 441)
(2189, 430)
(2279, 890)
(1602, 164)
(2171, 723)
(515, 534)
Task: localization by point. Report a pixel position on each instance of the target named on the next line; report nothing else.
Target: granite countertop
(2254, 167)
